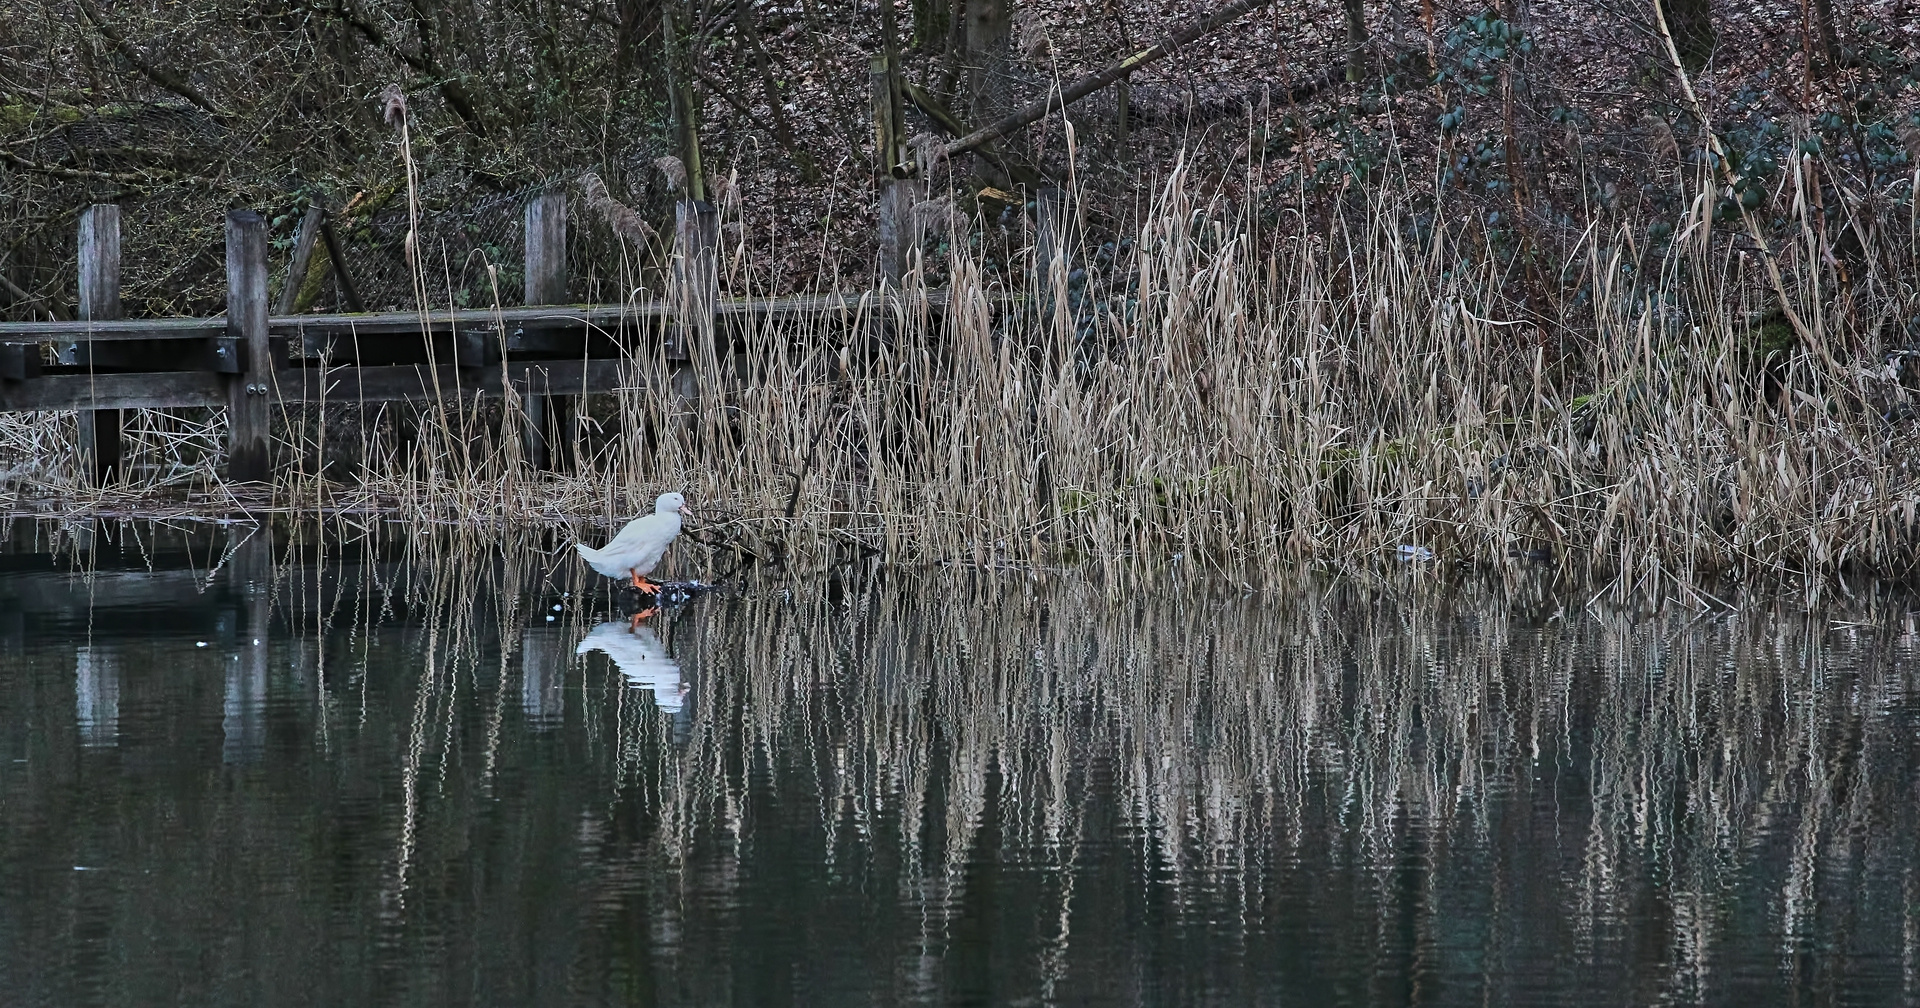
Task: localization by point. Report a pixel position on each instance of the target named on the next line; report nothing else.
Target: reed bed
(1211, 387)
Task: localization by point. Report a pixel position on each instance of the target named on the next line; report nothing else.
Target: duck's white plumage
(641, 544)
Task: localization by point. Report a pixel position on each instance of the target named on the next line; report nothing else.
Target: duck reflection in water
(641, 658)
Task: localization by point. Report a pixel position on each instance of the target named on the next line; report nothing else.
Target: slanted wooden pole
(100, 441)
(337, 261)
(685, 108)
(303, 242)
(546, 263)
(247, 392)
(1060, 97)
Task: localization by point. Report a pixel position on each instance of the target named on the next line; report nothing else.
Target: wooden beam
(346, 385)
(91, 331)
(340, 385)
(99, 430)
(19, 361)
(897, 185)
(696, 288)
(605, 317)
(167, 390)
(889, 133)
(899, 233)
(100, 262)
(696, 259)
(248, 458)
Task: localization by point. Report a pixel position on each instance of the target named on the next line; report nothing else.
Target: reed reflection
(953, 788)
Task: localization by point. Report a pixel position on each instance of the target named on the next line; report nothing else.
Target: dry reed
(1211, 392)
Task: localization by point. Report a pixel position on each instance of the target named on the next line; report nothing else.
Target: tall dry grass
(1220, 391)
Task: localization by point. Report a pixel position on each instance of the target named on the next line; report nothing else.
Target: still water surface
(233, 773)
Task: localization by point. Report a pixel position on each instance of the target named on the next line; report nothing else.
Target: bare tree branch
(171, 82)
(456, 95)
(1056, 100)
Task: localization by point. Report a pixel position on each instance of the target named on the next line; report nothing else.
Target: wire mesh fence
(468, 256)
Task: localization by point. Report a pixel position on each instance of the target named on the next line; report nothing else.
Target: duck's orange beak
(687, 512)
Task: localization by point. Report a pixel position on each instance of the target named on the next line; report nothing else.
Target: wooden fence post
(898, 189)
(899, 232)
(696, 261)
(546, 265)
(696, 282)
(100, 441)
(247, 392)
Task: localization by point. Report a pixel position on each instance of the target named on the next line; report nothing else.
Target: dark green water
(233, 774)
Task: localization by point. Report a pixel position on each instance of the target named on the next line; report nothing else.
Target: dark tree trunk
(1829, 43)
(931, 21)
(1356, 39)
(1693, 34)
(989, 33)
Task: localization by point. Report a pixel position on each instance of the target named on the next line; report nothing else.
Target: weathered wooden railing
(248, 360)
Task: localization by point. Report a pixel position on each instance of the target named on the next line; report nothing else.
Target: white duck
(634, 552)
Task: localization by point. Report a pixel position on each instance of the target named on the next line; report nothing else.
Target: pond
(239, 770)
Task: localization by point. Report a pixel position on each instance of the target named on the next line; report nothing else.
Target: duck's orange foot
(642, 614)
(644, 585)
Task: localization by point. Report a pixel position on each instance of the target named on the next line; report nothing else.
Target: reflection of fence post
(696, 273)
(542, 698)
(96, 696)
(243, 722)
(100, 441)
(546, 262)
(247, 447)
